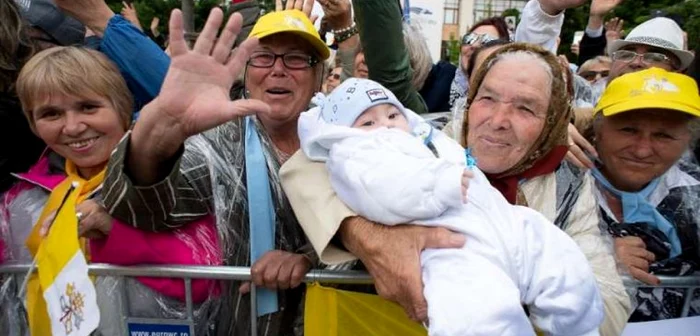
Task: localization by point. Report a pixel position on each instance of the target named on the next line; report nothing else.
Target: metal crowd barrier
(187, 273)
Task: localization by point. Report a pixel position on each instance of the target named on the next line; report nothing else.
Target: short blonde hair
(73, 71)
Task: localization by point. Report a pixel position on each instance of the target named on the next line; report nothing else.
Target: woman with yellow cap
(648, 193)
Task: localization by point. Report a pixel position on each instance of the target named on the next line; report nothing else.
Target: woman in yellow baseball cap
(649, 191)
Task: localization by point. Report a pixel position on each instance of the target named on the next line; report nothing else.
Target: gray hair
(418, 53)
(524, 56)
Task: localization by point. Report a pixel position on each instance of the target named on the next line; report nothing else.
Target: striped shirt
(208, 176)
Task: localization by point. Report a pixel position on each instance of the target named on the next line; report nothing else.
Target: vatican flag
(63, 274)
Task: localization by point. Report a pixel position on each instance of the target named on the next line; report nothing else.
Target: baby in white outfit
(391, 167)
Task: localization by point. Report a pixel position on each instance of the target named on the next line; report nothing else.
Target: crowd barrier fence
(187, 273)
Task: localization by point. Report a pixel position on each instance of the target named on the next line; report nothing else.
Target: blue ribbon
(261, 211)
(636, 209)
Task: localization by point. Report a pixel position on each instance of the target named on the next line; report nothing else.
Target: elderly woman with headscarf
(517, 130)
(164, 174)
(648, 194)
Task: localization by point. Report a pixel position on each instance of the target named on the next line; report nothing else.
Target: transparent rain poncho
(678, 197)
(117, 297)
(222, 151)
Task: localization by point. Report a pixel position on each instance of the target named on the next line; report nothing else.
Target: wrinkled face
(360, 70)
(636, 147)
(287, 91)
(333, 79)
(467, 50)
(508, 114)
(83, 130)
(383, 115)
(620, 67)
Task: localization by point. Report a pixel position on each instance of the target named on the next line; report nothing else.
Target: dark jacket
(436, 90)
(20, 148)
(381, 35)
(591, 47)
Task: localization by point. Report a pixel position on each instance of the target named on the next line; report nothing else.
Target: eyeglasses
(473, 38)
(334, 76)
(650, 58)
(293, 60)
(591, 75)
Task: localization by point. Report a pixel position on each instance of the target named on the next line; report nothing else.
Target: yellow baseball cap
(650, 88)
(291, 21)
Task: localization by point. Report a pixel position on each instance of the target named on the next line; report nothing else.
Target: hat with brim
(291, 21)
(662, 33)
(652, 88)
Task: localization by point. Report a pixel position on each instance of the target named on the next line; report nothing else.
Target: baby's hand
(466, 176)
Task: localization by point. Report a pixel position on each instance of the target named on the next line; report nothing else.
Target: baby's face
(384, 115)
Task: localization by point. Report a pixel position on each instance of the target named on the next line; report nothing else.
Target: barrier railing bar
(243, 274)
(189, 305)
(253, 309)
(686, 302)
(205, 272)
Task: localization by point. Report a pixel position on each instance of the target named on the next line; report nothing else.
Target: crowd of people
(259, 143)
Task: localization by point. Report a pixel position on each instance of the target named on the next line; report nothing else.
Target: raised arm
(541, 22)
(193, 99)
(392, 182)
(381, 35)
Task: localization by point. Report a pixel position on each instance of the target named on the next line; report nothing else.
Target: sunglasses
(334, 76)
(473, 38)
(591, 75)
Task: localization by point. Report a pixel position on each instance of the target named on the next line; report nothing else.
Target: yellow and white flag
(68, 292)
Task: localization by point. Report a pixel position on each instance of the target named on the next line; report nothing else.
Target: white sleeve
(538, 27)
(393, 183)
(558, 285)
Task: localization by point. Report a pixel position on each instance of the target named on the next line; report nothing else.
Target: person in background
(484, 31)
(648, 195)
(392, 52)
(595, 69)
(332, 80)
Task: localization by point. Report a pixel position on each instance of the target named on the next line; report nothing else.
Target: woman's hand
(338, 13)
(93, 221)
(578, 146)
(278, 270)
(632, 253)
